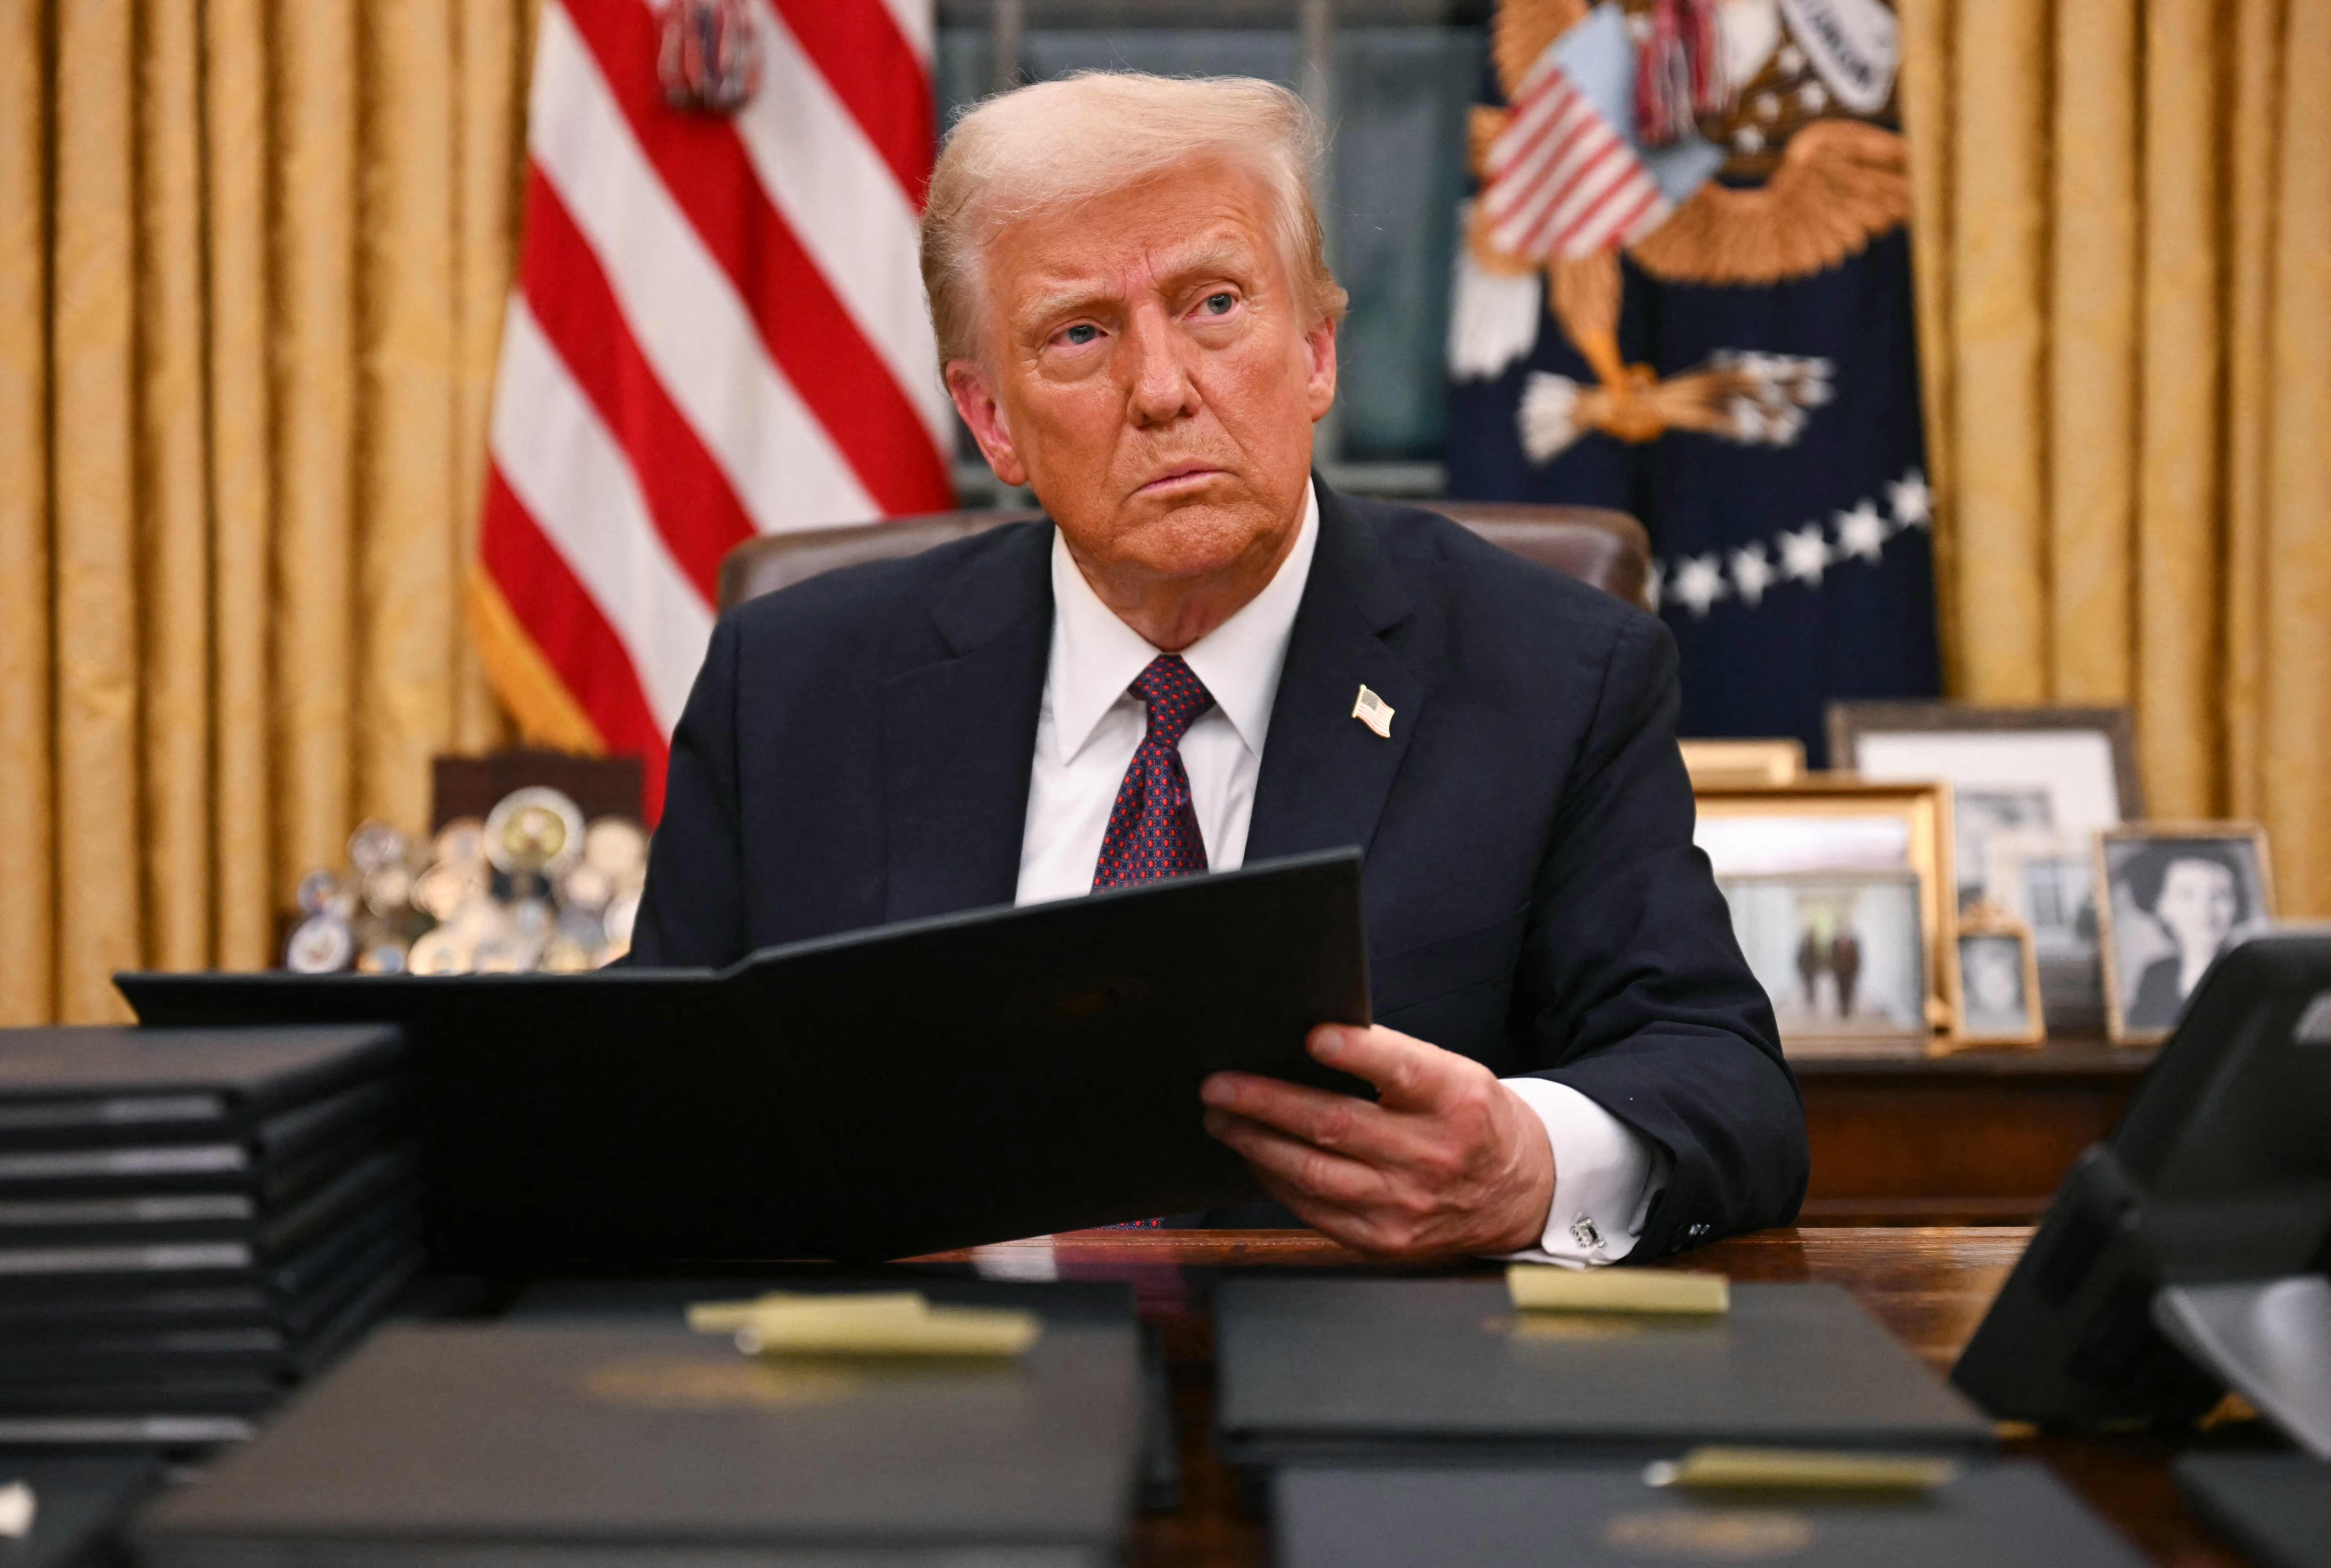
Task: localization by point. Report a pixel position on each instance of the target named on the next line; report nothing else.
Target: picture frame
(1999, 983)
(2170, 896)
(1852, 723)
(1722, 763)
(2044, 779)
(2048, 881)
(1832, 829)
(1843, 957)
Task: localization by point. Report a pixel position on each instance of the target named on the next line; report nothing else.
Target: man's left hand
(1448, 1160)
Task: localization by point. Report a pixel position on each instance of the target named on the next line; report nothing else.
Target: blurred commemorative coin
(461, 842)
(388, 888)
(386, 956)
(375, 846)
(616, 848)
(535, 831)
(439, 952)
(321, 944)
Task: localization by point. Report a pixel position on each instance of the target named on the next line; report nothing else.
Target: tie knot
(1174, 698)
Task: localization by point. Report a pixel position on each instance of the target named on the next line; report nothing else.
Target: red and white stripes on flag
(1561, 180)
(717, 330)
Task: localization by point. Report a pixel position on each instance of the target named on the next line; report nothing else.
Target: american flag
(718, 331)
(1561, 180)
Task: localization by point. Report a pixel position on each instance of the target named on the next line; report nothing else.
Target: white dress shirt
(1605, 1174)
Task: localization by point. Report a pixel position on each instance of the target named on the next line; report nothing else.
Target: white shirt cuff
(1605, 1177)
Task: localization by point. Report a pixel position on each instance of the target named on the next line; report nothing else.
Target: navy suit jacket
(857, 751)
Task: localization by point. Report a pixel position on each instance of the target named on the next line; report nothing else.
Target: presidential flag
(718, 331)
(1684, 292)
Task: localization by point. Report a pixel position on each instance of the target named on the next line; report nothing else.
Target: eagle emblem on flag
(1712, 142)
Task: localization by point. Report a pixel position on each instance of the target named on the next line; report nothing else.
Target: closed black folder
(939, 1083)
(527, 1444)
(2276, 1507)
(78, 1509)
(1319, 1369)
(2011, 1514)
(380, 1182)
(96, 1088)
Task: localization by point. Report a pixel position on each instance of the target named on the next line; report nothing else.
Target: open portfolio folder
(944, 1082)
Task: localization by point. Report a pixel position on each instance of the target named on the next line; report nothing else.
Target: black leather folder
(2276, 1507)
(529, 1444)
(109, 1088)
(2011, 1514)
(939, 1083)
(380, 1183)
(1317, 1370)
(78, 1509)
(665, 1300)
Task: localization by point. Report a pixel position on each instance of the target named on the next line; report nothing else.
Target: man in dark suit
(1207, 656)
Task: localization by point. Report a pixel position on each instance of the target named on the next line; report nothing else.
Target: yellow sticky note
(880, 1323)
(1800, 1470)
(728, 1316)
(1544, 1288)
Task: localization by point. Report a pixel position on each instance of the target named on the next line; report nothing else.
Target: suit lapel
(958, 733)
(1326, 773)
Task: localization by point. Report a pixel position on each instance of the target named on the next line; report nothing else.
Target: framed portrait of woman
(2170, 898)
(1999, 981)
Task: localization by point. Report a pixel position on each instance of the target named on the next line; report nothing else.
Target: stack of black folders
(192, 1221)
(592, 1427)
(1415, 1421)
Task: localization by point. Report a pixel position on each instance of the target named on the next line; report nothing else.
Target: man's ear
(974, 399)
(1319, 345)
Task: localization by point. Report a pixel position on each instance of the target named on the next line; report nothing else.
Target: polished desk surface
(1928, 1286)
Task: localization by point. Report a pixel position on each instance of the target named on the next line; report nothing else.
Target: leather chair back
(1593, 543)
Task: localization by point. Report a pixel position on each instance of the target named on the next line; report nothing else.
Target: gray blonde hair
(1056, 144)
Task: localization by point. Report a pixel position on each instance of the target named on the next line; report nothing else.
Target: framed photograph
(1826, 856)
(2170, 897)
(1727, 764)
(1843, 956)
(2048, 881)
(1999, 983)
(2069, 771)
(2039, 782)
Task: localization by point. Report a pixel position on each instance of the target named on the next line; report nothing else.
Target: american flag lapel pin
(1374, 711)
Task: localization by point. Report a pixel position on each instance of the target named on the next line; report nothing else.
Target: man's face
(1147, 370)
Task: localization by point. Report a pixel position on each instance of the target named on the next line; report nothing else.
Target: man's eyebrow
(1070, 300)
(1215, 256)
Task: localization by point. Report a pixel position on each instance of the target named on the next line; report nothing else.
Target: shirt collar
(1096, 656)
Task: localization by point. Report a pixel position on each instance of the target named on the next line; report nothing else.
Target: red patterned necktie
(1152, 830)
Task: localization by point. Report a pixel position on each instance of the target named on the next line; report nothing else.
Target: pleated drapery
(253, 262)
(2123, 231)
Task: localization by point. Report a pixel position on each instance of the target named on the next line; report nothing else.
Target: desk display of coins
(531, 888)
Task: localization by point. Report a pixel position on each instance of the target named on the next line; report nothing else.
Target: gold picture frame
(1974, 1027)
(1750, 763)
(2142, 998)
(1837, 824)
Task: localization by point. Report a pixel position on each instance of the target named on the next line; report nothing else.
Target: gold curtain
(2123, 239)
(252, 259)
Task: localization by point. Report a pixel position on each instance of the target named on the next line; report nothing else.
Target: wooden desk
(1929, 1288)
(1982, 1137)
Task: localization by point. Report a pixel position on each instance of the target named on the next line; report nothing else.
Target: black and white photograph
(1981, 812)
(2068, 771)
(2174, 898)
(1999, 1001)
(1842, 957)
(2047, 881)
